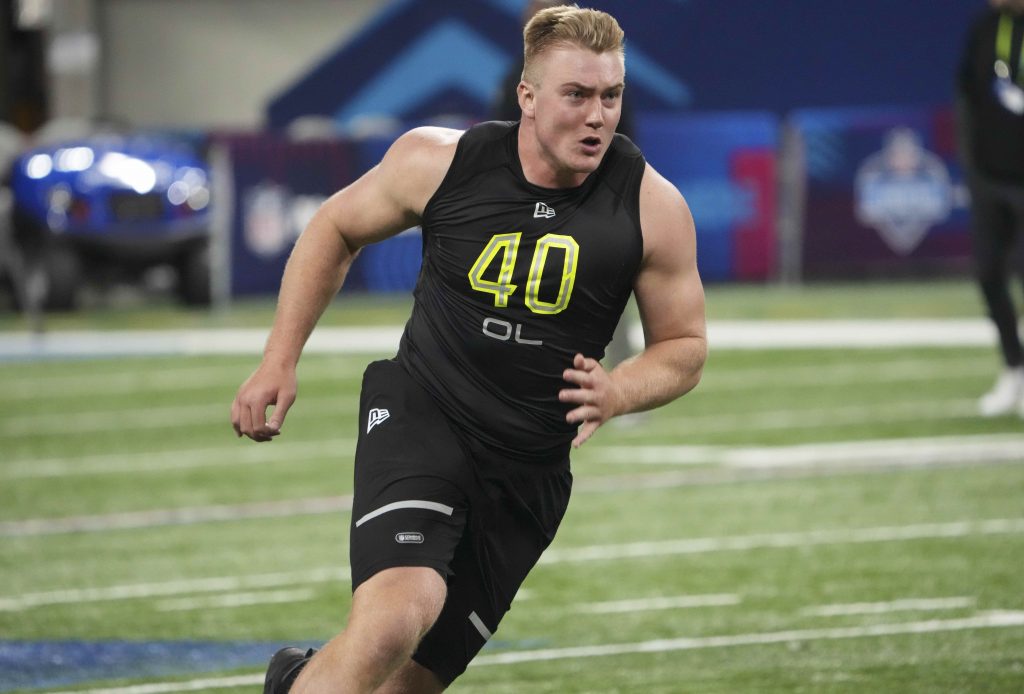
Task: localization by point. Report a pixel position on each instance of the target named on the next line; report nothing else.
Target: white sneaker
(1006, 395)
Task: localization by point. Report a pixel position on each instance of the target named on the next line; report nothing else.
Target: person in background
(535, 233)
(990, 107)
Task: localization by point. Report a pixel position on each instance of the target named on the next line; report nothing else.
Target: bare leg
(390, 613)
(412, 678)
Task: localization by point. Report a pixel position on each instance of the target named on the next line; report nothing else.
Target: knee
(394, 609)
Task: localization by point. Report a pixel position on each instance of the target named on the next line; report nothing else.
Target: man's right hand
(267, 386)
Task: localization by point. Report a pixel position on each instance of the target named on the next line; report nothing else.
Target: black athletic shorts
(427, 496)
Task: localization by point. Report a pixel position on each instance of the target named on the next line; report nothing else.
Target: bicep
(390, 197)
(669, 292)
(367, 210)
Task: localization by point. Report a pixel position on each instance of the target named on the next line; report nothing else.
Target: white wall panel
(213, 63)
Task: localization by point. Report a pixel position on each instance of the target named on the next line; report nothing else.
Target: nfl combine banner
(884, 194)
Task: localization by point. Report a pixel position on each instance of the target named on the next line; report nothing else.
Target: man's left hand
(596, 397)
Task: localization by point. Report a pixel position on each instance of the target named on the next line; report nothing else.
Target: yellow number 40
(507, 247)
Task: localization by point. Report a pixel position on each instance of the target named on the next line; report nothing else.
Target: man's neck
(538, 167)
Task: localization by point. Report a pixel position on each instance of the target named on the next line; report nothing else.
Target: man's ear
(526, 95)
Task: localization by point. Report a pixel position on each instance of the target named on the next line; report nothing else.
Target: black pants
(998, 212)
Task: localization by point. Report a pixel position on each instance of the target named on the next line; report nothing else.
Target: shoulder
(659, 189)
(485, 141)
(416, 163)
(481, 148)
(665, 218)
(421, 157)
(424, 148)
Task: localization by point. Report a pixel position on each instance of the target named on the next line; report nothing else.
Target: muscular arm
(386, 200)
(670, 297)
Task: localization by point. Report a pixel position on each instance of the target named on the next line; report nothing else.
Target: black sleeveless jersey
(516, 279)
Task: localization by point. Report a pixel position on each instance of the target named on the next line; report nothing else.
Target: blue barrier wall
(277, 185)
(725, 166)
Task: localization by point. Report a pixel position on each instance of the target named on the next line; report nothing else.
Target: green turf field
(806, 521)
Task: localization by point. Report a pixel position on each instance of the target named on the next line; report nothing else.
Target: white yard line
(90, 422)
(99, 382)
(890, 452)
(896, 533)
(203, 685)
(108, 381)
(893, 371)
(176, 516)
(232, 600)
(867, 333)
(658, 603)
(850, 456)
(811, 418)
(240, 453)
(907, 452)
(845, 334)
(635, 550)
(187, 586)
(75, 344)
(902, 605)
(987, 620)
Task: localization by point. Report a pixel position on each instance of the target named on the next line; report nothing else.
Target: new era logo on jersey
(542, 211)
(377, 415)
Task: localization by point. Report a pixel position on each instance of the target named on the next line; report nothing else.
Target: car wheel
(194, 276)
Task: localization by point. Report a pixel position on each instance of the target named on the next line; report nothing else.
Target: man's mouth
(591, 143)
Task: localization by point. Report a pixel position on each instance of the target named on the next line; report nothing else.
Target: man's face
(575, 103)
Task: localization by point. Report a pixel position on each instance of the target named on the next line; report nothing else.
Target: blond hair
(570, 26)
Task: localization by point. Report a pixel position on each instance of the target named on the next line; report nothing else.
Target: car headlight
(199, 198)
(58, 200)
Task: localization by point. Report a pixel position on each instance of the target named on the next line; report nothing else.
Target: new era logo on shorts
(377, 415)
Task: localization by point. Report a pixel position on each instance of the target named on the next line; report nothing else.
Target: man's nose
(595, 114)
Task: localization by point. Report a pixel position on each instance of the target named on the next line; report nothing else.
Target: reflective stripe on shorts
(413, 503)
(479, 624)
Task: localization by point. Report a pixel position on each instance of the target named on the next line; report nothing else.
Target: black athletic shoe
(284, 667)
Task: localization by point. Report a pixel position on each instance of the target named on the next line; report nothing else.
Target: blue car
(110, 207)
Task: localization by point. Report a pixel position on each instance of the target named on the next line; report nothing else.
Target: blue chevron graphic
(513, 7)
(640, 68)
(643, 70)
(451, 55)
